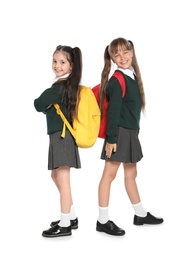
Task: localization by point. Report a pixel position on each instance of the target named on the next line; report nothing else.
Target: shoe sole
(141, 224)
(144, 223)
(61, 235)
(119, 234)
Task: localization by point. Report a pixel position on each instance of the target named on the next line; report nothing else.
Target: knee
(130, 171)
(109, 177)
(130, 177)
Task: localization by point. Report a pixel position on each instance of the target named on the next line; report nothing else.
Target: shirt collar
(61, 77)
(128, 72)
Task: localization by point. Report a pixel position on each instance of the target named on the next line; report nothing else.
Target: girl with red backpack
(121, 143)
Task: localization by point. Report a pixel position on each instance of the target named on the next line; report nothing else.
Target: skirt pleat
(63, 151)
(128, 147)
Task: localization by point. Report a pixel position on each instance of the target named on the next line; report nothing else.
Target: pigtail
(104, 78)
(76, 77)
(77, 65)
(138, 75)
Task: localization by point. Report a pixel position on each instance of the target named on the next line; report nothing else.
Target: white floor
(28, 199)
(31, 202)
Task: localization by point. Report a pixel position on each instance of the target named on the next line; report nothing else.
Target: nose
(57, 65)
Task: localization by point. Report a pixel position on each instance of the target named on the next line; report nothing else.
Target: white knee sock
(139, 210)
(103, 215)
(65, 220)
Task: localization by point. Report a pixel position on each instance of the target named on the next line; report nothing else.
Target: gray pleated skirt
(128, 147)
(63, 151)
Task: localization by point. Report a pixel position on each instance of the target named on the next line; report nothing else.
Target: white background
(30, 31)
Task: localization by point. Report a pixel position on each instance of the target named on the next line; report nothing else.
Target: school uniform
(62, 151)
(123, 119)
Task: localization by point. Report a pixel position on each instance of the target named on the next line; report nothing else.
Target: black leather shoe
(74, 223)
(57, 231)
(149, 219)
(110, 228)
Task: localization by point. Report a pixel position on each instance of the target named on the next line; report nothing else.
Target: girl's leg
(141, 216)
(73, 217)
(130, 174)
(103, 223)
(61, 177)
(109, 174)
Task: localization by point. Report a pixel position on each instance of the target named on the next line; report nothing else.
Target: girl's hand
(109, 148)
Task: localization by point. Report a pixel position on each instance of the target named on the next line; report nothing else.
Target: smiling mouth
(123, 62)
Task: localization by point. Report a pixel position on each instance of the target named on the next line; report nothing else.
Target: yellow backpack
(85, 128)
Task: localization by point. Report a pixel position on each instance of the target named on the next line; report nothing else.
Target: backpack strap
(66, 123)
(117, 74)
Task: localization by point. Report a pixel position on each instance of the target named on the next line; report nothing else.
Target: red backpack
(103, 124)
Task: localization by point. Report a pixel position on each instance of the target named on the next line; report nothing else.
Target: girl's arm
(46, 99)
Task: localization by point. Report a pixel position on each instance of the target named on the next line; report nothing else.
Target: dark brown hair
(74, 56)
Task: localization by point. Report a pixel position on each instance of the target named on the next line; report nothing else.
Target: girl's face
(60, 64)
(123, 58)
